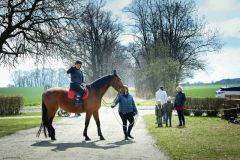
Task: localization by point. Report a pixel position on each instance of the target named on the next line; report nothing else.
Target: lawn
(32, 95)
(203, 90)
(10, 126)
(24, 114)
(203, 138)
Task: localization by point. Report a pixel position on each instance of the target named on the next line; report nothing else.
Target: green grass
(10, 126)
(203, 138)
(203, 90)
(13, 125)
(32, 95)
(25, 114)
(145, 103)
(31, 114)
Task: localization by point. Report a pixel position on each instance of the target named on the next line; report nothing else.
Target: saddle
(74, 95)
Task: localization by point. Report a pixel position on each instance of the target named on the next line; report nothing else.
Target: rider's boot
(79, 101)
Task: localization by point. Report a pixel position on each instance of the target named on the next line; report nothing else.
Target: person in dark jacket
(179, 105)
(159, 113)
(77, 81)
(167, 109)
(127, 110)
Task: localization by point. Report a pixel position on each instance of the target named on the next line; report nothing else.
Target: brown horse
(54, 98)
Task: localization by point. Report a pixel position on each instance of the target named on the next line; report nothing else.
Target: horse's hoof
(102, 138)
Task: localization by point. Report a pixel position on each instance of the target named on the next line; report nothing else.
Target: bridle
(118, 87)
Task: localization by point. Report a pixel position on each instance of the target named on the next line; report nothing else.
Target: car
(227, 91)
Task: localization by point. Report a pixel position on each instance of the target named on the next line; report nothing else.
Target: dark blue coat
(126, 104)
(180, 99)
(76, 75)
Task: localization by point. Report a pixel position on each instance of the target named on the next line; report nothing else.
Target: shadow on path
(84, 144)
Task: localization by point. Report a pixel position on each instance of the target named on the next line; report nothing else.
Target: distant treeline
(220, 82)
(45, 77)
(228, 81)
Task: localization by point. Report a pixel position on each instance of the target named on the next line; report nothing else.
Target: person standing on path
(168, 108)
(179, 105)
(159, 114)
(127, 110)
(161, 99)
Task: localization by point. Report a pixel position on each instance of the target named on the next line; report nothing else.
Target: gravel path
(70, 144)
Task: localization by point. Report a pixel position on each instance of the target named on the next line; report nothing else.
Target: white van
(227, 91)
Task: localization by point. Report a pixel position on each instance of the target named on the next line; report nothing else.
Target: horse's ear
(114, 72)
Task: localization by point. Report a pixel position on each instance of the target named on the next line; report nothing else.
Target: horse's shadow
(84, 144)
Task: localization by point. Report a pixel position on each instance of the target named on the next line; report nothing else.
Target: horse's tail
(44, 120)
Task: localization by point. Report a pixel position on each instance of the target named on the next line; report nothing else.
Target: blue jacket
(126, 104)
(180, 99)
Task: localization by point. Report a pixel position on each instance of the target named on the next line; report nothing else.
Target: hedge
(10, 105)
(211, 106)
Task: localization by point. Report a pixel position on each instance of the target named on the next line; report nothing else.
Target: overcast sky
(221, 14)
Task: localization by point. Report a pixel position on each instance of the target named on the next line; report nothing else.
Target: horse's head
(117, 82)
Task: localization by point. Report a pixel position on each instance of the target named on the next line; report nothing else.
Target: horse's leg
(50, 127)
(96, 117)
(87, 120)
(46, 120)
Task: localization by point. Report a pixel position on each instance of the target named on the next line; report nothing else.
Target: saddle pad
(71, 94)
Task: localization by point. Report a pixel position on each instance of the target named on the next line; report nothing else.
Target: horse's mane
(101, 81)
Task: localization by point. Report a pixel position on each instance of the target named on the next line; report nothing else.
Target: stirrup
(78, 101)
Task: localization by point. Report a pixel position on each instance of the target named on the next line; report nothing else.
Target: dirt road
(70, 144)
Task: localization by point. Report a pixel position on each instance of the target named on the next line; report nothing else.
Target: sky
(223, 15)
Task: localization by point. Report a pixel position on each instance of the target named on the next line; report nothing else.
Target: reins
(133, 123)
(105, 102)
(135, 117)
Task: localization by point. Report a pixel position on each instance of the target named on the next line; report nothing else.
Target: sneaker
(126, 138)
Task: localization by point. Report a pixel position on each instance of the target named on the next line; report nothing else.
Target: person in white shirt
(161, 96)
(161, 99)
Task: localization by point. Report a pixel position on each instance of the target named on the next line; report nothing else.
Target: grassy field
(25, 114)
(10, 126)
(203, 90)
(32, 95)
(203, 138)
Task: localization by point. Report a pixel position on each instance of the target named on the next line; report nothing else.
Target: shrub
(204, 103)
(198, 106)
(10, 105)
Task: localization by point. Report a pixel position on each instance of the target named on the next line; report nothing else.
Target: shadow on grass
(84, 144)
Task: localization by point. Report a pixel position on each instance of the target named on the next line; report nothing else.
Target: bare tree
(95, 38)
(40, 78)
(31, 27)
(174, 25)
